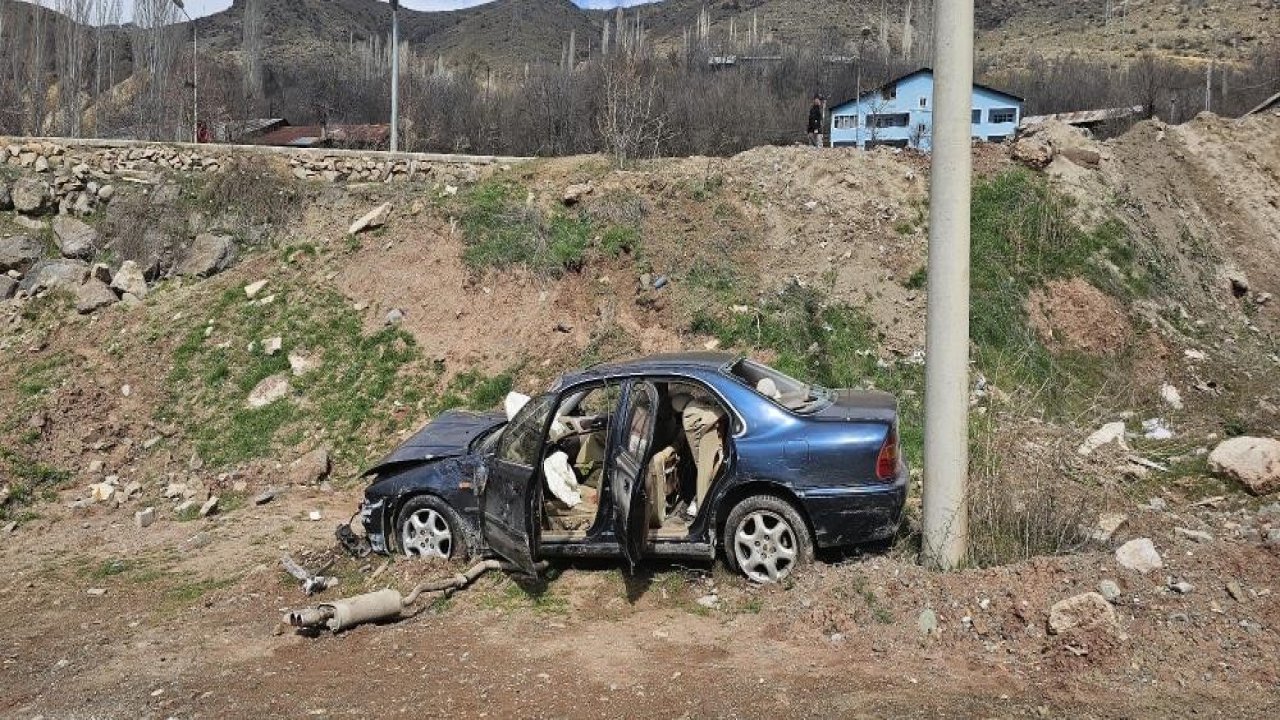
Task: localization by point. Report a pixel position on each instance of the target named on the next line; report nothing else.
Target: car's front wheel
(766, 539)
(429, 528)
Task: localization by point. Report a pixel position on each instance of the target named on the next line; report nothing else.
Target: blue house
(900, 114)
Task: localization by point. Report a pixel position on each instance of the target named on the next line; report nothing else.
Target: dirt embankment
(185, 624)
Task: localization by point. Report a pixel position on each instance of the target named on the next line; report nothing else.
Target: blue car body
(824, 461)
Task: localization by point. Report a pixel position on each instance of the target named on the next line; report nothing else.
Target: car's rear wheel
(429, 528)
(766, 539)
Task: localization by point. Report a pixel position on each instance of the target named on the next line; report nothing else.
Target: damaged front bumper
(373, 519)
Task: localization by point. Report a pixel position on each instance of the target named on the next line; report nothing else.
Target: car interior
(687, 455)
(782, 389)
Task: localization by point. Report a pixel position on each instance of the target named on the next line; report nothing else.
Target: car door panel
(630, 451)
(511, 499)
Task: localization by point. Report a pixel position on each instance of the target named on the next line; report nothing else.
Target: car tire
(428, 527)
(766, 539)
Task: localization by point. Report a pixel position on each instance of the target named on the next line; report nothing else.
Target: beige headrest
(768, 388)
(680, 402)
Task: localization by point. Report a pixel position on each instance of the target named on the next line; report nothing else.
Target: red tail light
(887, 462)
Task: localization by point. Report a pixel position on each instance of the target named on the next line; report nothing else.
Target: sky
(200, 8)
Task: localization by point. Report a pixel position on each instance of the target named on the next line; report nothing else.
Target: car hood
(449, 435)
(860, 406)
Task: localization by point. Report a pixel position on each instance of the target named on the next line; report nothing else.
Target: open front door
(511, 499)
(631, 446)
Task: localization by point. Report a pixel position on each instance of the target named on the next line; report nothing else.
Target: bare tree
(629, 120)
(155, 44)
(251, 49)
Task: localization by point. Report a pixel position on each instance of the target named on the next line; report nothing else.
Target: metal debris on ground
(312, 583)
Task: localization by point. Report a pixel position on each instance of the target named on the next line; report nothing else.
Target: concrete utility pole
(195, 78)
(946, 399)
(395, 75)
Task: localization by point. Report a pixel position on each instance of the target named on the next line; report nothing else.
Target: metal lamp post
(195, 78)
(395, 75)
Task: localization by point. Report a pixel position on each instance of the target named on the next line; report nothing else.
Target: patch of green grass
(30, 479)
(40, 375)
(512, 596)
(357, 380)
(501, 229)
(918, 279)
(186, 594)
(879, 612)
(110, 568)
(473, 390)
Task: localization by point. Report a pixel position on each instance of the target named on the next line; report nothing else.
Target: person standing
(816, 112)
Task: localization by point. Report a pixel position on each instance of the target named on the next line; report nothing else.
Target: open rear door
(511, 499)
(631, 449)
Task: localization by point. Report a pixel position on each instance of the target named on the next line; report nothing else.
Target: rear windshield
(781, 388)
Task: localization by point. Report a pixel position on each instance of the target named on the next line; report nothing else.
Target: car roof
(665, 362)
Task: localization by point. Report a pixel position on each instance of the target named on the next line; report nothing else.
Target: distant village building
(900, 114)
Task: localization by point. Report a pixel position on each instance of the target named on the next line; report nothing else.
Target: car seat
(703, 429)
(660, 483)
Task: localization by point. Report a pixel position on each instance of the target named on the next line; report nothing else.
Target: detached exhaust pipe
(385, 604)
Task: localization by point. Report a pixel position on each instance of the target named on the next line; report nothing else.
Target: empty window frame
(977, 116)
(1002, 115)
(889, 120)
(846, 122)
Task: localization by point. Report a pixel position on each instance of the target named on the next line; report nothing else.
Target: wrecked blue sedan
(673, 456)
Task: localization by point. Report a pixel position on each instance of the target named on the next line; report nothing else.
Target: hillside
(1127, 282)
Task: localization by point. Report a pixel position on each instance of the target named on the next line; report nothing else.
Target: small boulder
(1082, 612)
(271, 346)
(1109, 590)
(208, 255)
(1171, 397)
(1139, 555)
(101, 272)
(1110, 433)
(106, 192)
(8, 286)
(1107, 525)
(252, 289)
(31, 196)
(6, 197)
(93, 295)
(574, 193)
(927, 622)
(1253, 462)
(144, 518)
(1033, 152)
(269, 390)
(101, 492)
(209, 507)
(1199, 536)
(1084, 157)
(375, 218)
(302, 362)
(19, 253)
(395, 316)
(310, 468)
(55, 274)
(130, 279)
(75, 239)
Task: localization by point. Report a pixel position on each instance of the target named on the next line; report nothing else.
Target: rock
(101, 272)
(265, 496)
(1107, 525)
(75, 239)
(55, 274)
(271, 346)
(143, 518)
(574, 193)
(310, 468)
(41, 164)
(927, 622)
(1033, 152)
(31, 196)
(301, 362)
(208, 255)
(8, 286)
(1084, 157)
(395, 316)
(1182, 587)
(1199, 536)
(6, 197)
(106, 192)
(315, 516)
(1236, 592)
(131, 489)
(1139, 555)
(173, 490)
(1156, 429)
(19, 253)
(130, 279)
(1170, 395)
(709, 601)
(101, 492)
(375, 218)
(252, 289)
(1156, 504)
(96, 592)
(93, 295)
(209, 507)
(1254, 462)
(1109, 590)
(184, 507)
(1110, 433)
(83, 205)
(1082, 612)
(269, 390)
(1236, 280)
